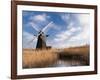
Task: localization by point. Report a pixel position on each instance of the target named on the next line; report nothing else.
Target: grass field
(40, 58)
(43, 58)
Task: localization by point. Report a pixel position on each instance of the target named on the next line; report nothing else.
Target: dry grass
(83, 50)
(43, 58)
(38, 58)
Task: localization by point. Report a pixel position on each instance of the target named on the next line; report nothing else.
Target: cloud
(38, 21)
(75, 34)
(71, 29)
(67, 34)
(40, 17)
(65, 17)
(83, 19)
(84, 23)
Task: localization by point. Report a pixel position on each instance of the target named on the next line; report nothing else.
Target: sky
(64, 29)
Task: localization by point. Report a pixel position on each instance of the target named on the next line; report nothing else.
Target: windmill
(41, 38)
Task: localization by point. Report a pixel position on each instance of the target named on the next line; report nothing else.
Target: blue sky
(66, 29)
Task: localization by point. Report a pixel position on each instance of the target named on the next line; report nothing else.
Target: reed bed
(43, 58)
(38, 58)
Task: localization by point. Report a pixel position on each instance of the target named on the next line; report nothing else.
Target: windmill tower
(41, 41)
(41, 38)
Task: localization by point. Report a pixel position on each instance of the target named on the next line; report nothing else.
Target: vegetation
(76, 53)
(43, 58)
(38, 58)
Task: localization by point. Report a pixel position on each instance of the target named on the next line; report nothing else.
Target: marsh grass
(43, 58)
(38, 58)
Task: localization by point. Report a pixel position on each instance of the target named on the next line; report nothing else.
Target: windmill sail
(33, 26)
(31, 41)
(44, 29)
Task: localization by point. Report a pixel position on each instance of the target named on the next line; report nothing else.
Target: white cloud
(65, 17)
(37, 22)
(75, 35)
(84, 23)
(83, 35)
(40, 17)
(62, 36)
(65, 35)
(83, 19)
